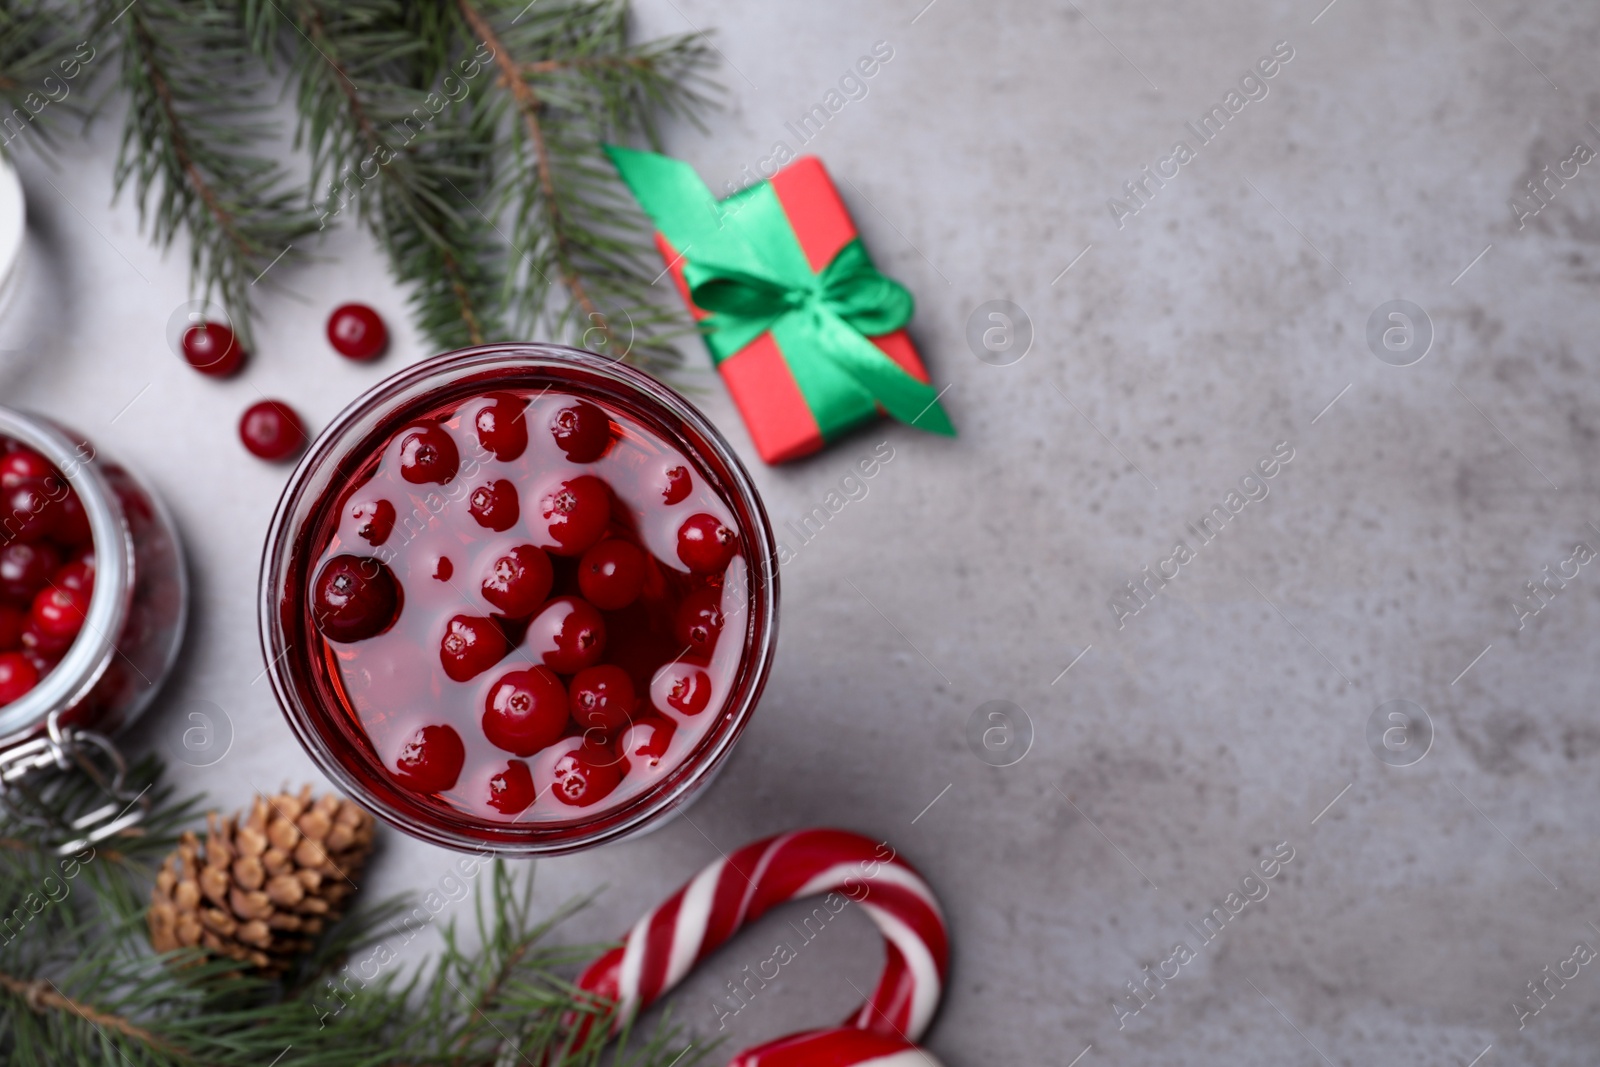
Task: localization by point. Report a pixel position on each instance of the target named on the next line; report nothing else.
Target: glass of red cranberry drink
(520, 597)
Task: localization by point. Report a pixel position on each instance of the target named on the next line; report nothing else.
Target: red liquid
(441, 547)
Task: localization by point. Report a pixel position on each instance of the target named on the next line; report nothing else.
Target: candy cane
(664, 946)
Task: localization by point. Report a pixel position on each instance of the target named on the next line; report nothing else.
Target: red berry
(511, 791)
(354, 598)
(356, 332)
(699, 620)
(443, 569)
(72, 522)
(17, 676)
(428, 454)
(495, 505)
(46, 646)
(582, 431)
(27, 568)
(678, 485)
(212, 349)
(646, 741)
(271, 430)
(57, 615)
(519, 581)
(602, 698)
(12, 621)
(28, 509)
(377, 521)
(575, 513)
(586, 775)
(682, 687)
(502, 427)
(568, 635)
(43, 662)
(705, 544)
(525, 711)
(611, 574)
(471, 645)
(21, 465)
(430, 761)
(77, 576)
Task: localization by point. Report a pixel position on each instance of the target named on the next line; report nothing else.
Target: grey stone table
(1176, 323)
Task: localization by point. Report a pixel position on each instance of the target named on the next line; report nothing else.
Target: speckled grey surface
(1231, 713)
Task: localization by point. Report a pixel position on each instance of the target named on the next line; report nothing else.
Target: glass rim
(304, 500)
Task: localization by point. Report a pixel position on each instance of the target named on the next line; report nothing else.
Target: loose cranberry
(699, 620)
(444, 569)
(586, 775)
(495, 505)
(21, 465)
(511, 791)
(705, 545)
(27, 568)
(646, 741)
(212, 349)
(356, 332)
(575, 513)
(12, 621)
(57, 615)
(525, 711)
(519, 581)
(17, 676)
(28, 509)
(611, 574)
(377, 521)
(72, 522)
(568, 635)
(430, 761)
(428, 454)
(678, 485)
(471, 645)
(77, 576)
(682, 687)
(602, 698)
(272, 431)
(502, 426)
(582, 431)
(354, 598)
(47, 647)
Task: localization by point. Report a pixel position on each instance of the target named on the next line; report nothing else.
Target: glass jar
(128, 643)
(335, 709)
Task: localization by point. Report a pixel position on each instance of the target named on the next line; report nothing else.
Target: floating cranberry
(568, 635)
(354, 598)
(525, 711)
(57, 616)
(705, 544)
(377, 521)
(495, 505)
(12, 621)
(356, 332)
(602, 698)
(17, 676)
(519, 581)
(28, 509)
(272, 431)
(21, 465)
(444, 569)
(682, 687)
(77, 575)
(699, 620)
(430, 761)
(212, 349)
(586, 775)
(471, 645)
(511, 791)
(428, 454)
(502, 426)
(611, 574)
(678, 485)
(645, 742)
(27, 568)
(575, 513)
(72, 522)
(582, 431)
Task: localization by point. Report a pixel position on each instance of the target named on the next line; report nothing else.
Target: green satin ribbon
(744, 264)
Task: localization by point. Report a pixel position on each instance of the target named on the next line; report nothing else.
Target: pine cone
(262, 890)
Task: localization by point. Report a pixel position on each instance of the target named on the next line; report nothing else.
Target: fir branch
(42, 55)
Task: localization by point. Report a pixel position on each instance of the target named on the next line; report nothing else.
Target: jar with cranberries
(522, 597)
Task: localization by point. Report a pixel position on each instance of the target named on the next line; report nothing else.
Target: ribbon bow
(744, 264)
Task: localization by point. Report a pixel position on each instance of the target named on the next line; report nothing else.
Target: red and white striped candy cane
(664, 946)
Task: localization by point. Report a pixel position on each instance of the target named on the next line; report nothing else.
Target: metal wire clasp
(38, 788)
